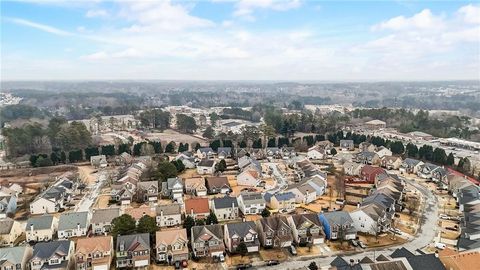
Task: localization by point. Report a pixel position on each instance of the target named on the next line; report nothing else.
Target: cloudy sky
(240, 40)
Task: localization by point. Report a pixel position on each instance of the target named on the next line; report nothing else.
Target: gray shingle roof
(130, 241)
(40, 222)
(169, 209)
(252, 198)
(69, 221)
(225, 202)
(13, 255)
(215, 230)
(6, 225)
(104, 215)
(338, 218)
(206, 163)
(240, 228)
(45, 250)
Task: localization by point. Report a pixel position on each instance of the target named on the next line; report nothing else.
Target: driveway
(93, 190)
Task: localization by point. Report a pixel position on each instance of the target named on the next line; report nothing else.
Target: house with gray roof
(205, 152)
(102, 219)
(133, 251)
(10, 230)
(73, 224)
(99, 161)
(15, 258)
(206, 166)
(306, 229)
(149, 190)
(224, 152)
(426, 170)
(241, 232)
(365, 157)
(41, 228)
(274, 231)
(8, 205)
(410, 165)
(225, 208)
(173, 188)
(347, 145)
(207, 240)
(338, 224)
(251, 203)
(187, 159)
(52, 255)
(169, 215)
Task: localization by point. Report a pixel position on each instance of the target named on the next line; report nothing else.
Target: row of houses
(55, 197)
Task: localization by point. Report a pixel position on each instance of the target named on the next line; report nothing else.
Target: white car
(440, 245)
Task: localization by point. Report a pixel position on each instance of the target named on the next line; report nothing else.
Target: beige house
(195, 186)
(41, 228)
(391, 162)
(171, 246)
(15, 258)
(10, 230)
(94, 253)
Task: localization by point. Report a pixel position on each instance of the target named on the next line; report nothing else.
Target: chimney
(161, 213)
(78, 226)
(191, 211)
(436, 253)
(352, 262)
(31, 228)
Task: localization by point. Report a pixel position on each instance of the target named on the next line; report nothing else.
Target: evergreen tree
(450, 160)
(122, 225)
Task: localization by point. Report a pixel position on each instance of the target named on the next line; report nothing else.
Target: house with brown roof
(274, 231)
(195, 186)
(207, 241)
(197, 208)
(249, 177)
(391, 162)
(217, 184)
(94, 253)
(454, 260)
(102, 219)
(369, 173)
(138, 212)
(149, 190)
(306, 229)
(171, 246)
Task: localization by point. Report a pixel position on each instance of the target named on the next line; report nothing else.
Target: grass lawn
(273, 254)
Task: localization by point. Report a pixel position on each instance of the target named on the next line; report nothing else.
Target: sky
(287, 40)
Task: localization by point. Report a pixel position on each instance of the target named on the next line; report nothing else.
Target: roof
(286, 196)
(411, 161)
(367, 169)
(217, 182)
(171, 182)
(13, 255)
(338, 262)
(198, 205)
(195, 182)
(169, 237)
(104, 215)
(375, 122)
(338, 218)
(426, 261)
(40, 222)
(252, 198)
(45, 250)
(92, 244)
(206, 163)
(148, 184)
(241, 228)
(466, 260)
(138, 212)
(308, 220)
(382, 258)
(225, 202)
(226, 150)
(275, 223)
(391, 265)
(205, 150)
(132, 241)
(6, 225)
(71, 220)
(205, 232)
(373, 210)
(401, 252)
(169, 209)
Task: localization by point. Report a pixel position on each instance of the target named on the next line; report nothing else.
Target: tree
(333, 152)
(170, 148)
(221, 166)
(124, 224)
(242, 144)
(272, 142)
(137, 148)
(157, 146)
(265, 212)
(439, 156)
(267, 131)
(215, 145)
(75, 155)
(109, 150)
(166, 170)
(147, 224)
(188, 223)
(211, 218)
(397, 147)
(450, 160)
(312, 266)
(55, 158)
(412, 150)
(122, 148)
(214, 117)
(257, 143)
(209, 133)
(91, 151)
(179, 165)
(242, 249)
(186, 123)
(43, 161)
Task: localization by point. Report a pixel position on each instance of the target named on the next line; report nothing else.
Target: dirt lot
(383, 240)
(171, 135)
(273, 254)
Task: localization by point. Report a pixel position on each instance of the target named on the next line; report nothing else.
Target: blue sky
(240, 40)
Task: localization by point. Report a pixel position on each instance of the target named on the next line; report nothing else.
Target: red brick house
(369, 173)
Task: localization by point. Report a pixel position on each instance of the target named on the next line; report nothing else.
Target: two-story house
(306, 229)
(149, 190)
(171, 246)
(249, 177)
(173, 188)
(367, 158)
(206, 166)
(52, 255)
(8, 205)
(371, 218)
(338, 224)
(94, 253)
(197, 208)
(102, 219)
(225, 208)
(195, 186)
(410, 165)
(251, 203)
(391, 162)
(169, 215)
(347, 145)
(241, 232)
(133, 251)
(10, 230)
(41, 228)
(217, 184)
(73, 224)
(274, 231)
(15, 258)
(207, 241)
(283, 202)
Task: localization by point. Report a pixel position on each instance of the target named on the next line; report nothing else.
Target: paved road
(281, 180)
(93, 191)
(425, 236)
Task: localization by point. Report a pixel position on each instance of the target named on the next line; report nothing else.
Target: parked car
(440, 245)
(396, 231)
(340, 201)
(273, 262)
(361, 244)
(244, 266)
(354, 242)
(293, 250)
(221, 258)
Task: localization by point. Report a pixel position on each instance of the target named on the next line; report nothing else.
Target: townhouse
(195, 186)
(274, 231)
(306, 229)
(226, 208)
(371, 218)
(15, 258)
(94, 253)
(282, 202)
(338, 224)
(171, 246)
(41, 228)
(207, 241)
(241, 232)
(73, 224)
(133, 251)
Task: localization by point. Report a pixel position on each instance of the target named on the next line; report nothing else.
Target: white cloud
(424, 20)
(39, 26)
(96, 13)
(245, 8)
(470, 13)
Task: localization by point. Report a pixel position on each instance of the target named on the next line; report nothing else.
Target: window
(268, 242)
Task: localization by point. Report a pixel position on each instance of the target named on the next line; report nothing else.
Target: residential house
(133, 251)
(391, 162)
(8, 205)
(225, 208)
(454, 260)
(241, 232)
(52, 255)
(195, 186)
(171, 246)
(149, 191)
(217, 184)
(352, 168)
(102, 220)
(251, 203)
(273, 152)
(371, 218)
(375, 124)
(440, 174)
(283, 202)
(99, 161)
(366, 147)
(367, 158)
(187, 159)
(411, 165)
(306, 229)
(304, 194)
(318, 183)
(73, 224)
(173, 188)
(347, 145)
(15, 258)
(274, 231)
(169, 215)
(205, 153)
(197, 208)
(206, 166)
(426, 170)
(381, 199)
(224, 152)
(207, 241)
(247, 162)
(320, 151)
(16, 188)
(382, 151)
(138, 212)
(41, 228)
(124, 159)
(369, 173)
(10, 230)
(338, 224)
(122, 194)
(249, 177)
(94, 253)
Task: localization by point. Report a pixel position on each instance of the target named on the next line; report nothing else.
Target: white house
(370, 218)
(317, 152)
(41, 228)
(169, 215)
(225, 208)
(383, 152)
(206, 166)
(251, 203)
(304, 194)
(248, 177)
(10, 230)
(173, 188)
(352, 168)
(73, 224)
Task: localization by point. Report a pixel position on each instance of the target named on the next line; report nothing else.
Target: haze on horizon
(260, 40)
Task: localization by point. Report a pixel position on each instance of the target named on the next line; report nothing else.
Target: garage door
(100, 267)
(252, 249)
(141, 263)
